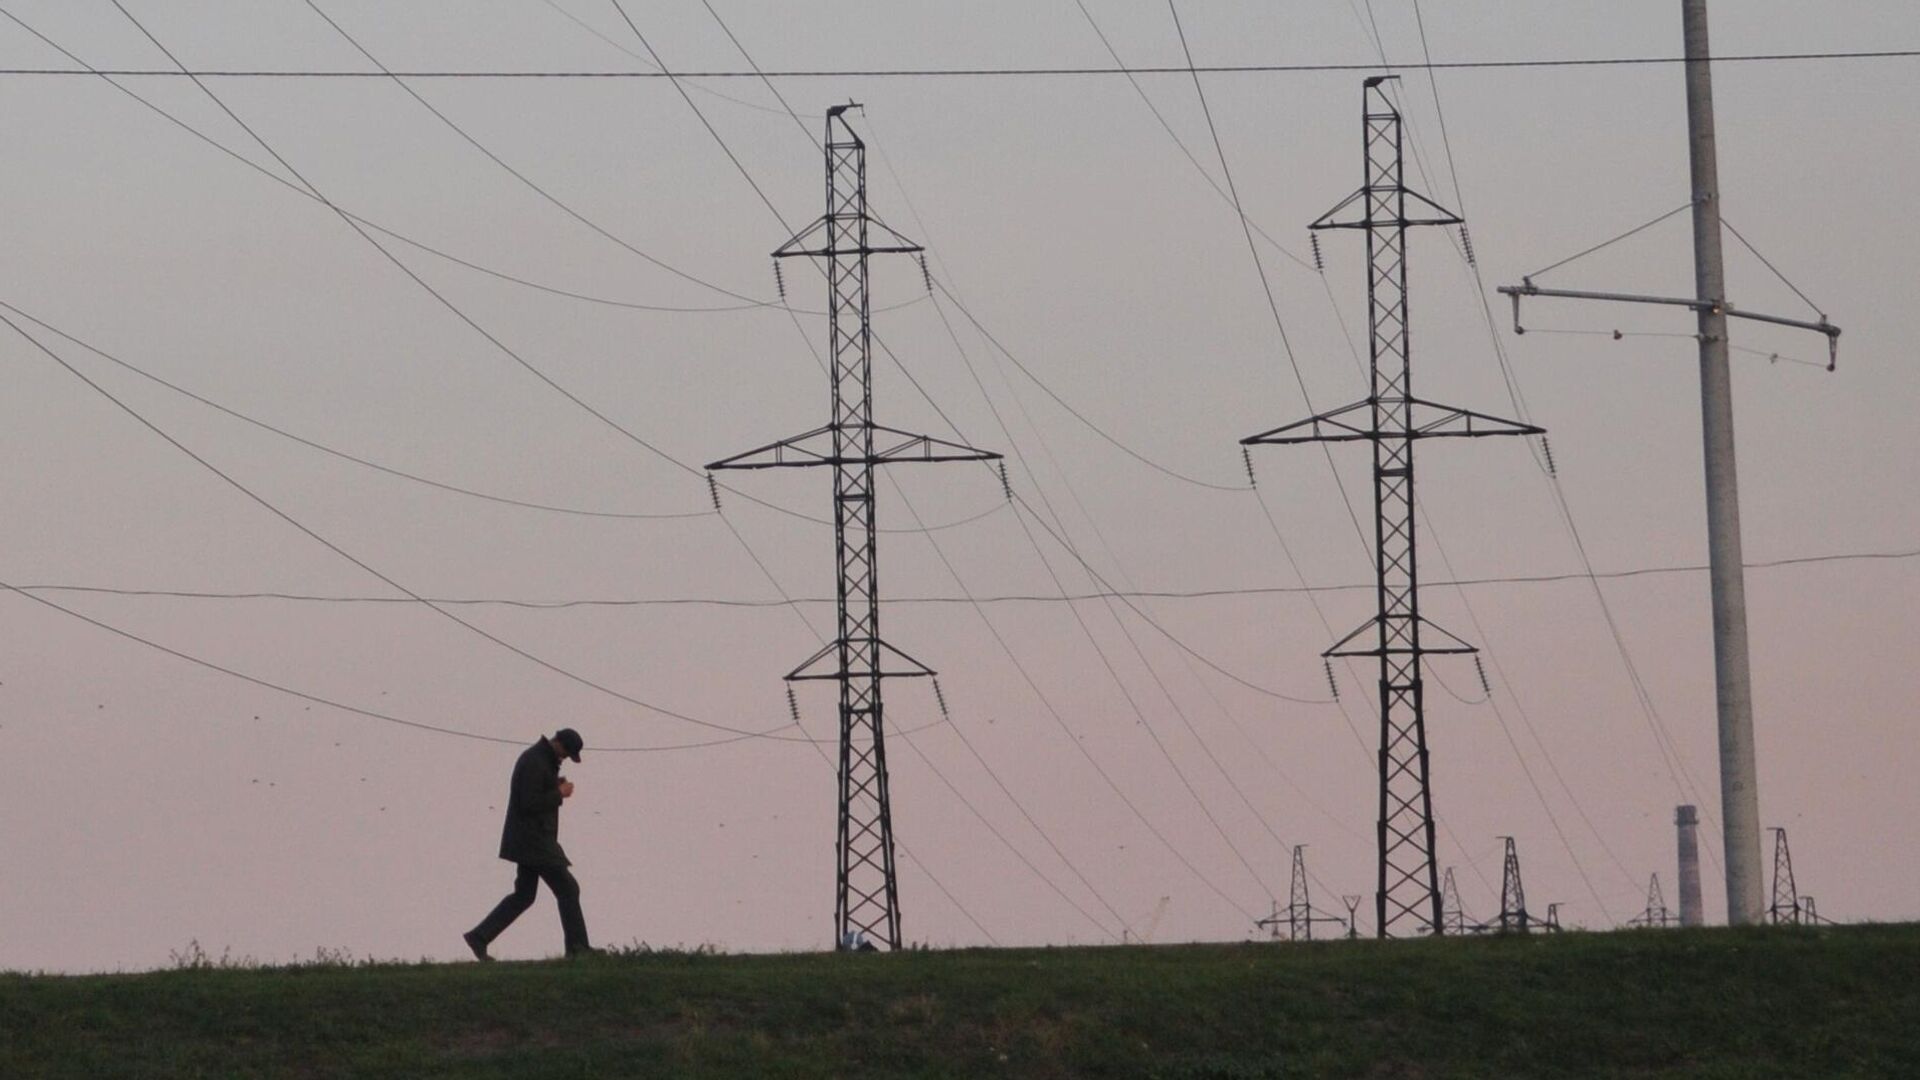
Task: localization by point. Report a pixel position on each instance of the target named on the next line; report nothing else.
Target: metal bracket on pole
(1819, 326)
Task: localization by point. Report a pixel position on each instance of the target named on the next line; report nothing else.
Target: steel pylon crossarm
(1392, 419)
(867, 894)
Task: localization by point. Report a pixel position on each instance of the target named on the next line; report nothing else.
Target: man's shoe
(479, 947)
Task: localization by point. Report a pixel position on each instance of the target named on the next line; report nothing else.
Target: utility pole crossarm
(1818, 326)
(1424, 420)
(827, 446)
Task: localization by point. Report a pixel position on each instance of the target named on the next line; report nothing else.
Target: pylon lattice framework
(867, 895)
(1655, 914)
(1301, 914)
(1407, 900)
(1785, 908)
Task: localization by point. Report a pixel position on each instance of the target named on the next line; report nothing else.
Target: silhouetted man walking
(531, 840)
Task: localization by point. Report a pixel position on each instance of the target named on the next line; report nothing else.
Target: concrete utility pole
(1733, 683)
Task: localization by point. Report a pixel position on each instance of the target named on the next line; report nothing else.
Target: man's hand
(566, 789)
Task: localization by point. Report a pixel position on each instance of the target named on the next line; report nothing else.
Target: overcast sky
(1101, 755)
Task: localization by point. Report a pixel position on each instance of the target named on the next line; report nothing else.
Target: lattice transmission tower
(1514, 916)
(1301, 914)
(1392, 419)
(1655, 915)
(1785, 908)
(1453, 914)
(867, 897)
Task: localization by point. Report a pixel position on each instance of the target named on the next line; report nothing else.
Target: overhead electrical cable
(127, 365)
(273, 509)
(1006, 598)
(1260, 266)
(749, 303)
(333, 703)
(979, 72)
(473, 324)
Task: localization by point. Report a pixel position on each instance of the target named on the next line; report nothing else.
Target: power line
(331, 703)
(968, 72)
(264, 504)
(1007, 598)
(747, 304)
(403, 474)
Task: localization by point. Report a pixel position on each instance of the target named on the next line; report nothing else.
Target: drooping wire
(271, 508)
(334, 451)
(1259, 266)
(332, 703)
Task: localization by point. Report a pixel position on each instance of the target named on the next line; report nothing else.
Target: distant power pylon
(867, 902)
(1656, 915)
(1453, 914)
(1407, 900)
(1788, 907)
(1514, 916)
(1352, 904)
(1301, 914)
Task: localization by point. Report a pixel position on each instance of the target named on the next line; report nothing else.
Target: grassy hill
(1841, 1002)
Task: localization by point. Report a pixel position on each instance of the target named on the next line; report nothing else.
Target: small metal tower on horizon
(1407, 898)
(1655, 916)
(1453, 914)
(867, 900)
(1514, 917)
(1785, 908)
(1513, 894)
(1301, 914)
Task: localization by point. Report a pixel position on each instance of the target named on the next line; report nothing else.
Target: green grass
(1842, 1002)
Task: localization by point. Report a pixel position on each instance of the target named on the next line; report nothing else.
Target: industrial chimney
(1690, 909)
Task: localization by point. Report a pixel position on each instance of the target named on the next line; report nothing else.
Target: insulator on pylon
(1006, 485)
(940, 697)
(713, 489)
(793, 705)
(1546, 450)
(1252, 480)
(1485, 686)
(779, 281)
(1319, 261)
(1332, 683)
(1466, 245)
(925, 274)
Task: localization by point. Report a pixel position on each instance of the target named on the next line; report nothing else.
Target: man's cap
(570, 739)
